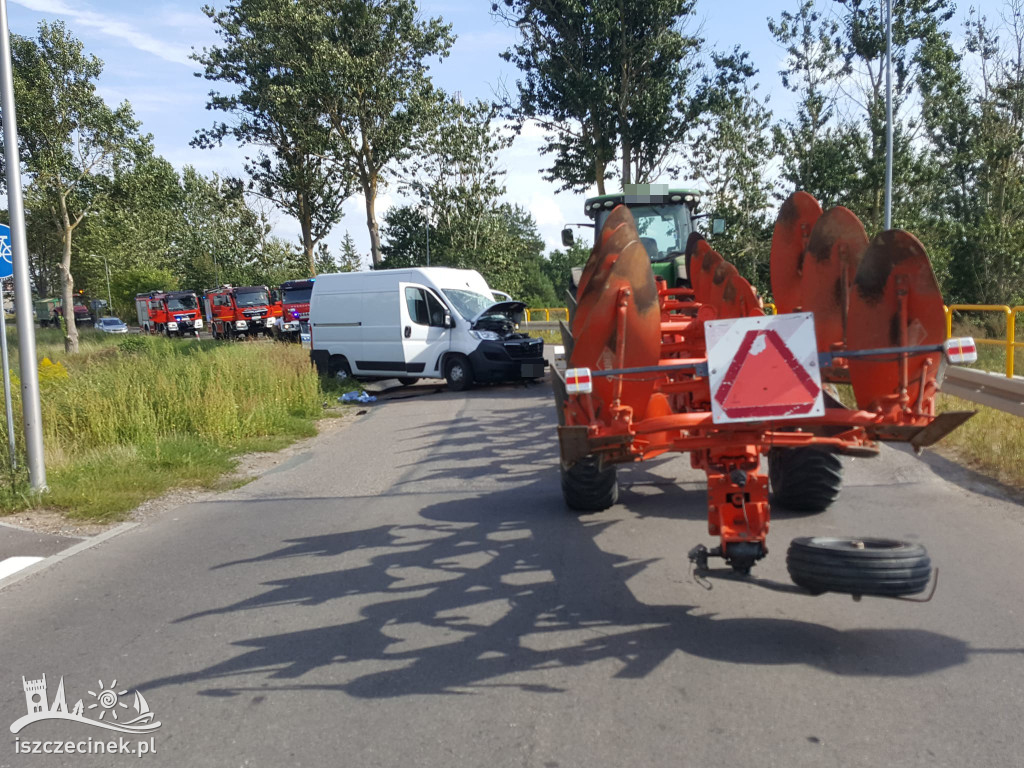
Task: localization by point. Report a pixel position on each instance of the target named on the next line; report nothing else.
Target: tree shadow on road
(498, 587)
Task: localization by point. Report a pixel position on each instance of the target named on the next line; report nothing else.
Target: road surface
(411, 592)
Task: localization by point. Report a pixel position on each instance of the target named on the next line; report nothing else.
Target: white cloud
(112, 27)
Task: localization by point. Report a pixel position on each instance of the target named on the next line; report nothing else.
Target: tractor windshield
(179, 303)
(251, 298)
(664, 228)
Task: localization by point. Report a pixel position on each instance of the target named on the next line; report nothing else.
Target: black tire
(338, 364)
(882, 567)
(407, 381)
(587, 487)
(804, 479)
(458, 373)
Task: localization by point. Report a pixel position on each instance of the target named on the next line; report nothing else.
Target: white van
(409, 324)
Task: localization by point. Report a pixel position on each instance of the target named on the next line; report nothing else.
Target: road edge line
(65, 553)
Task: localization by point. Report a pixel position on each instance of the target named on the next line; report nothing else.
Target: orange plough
(698, 367)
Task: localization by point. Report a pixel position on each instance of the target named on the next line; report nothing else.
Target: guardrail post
(1011, 338)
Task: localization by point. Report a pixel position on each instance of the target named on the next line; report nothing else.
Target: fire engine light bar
(578, 381)
(961, 351)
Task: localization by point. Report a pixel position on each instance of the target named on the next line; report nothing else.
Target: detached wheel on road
(458, 373)
(804, 479)
(589, 487)
(882, 567)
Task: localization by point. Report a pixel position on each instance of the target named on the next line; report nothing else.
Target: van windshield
(469, 304)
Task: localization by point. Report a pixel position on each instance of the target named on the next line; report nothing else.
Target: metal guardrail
(560, 313)
(985, 388)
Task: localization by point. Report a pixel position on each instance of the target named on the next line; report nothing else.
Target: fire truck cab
(239, 311)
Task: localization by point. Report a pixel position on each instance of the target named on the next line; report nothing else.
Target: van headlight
(485, 335)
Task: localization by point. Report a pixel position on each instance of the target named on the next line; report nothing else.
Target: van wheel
(339, 364)
(458, 373)
(407, 381)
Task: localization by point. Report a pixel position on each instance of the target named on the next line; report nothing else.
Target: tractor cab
(664, 220)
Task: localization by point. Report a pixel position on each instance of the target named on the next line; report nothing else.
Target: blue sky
(145, 46)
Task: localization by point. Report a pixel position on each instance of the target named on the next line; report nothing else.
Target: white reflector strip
(578, 381)
(961, 351)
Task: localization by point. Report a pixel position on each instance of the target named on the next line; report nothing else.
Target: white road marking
(14, 564)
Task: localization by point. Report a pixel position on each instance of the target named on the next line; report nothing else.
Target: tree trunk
(627, 162)
(68, 284)
(305, 222)
(370, 193)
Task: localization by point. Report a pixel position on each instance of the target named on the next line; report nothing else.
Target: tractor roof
(641, 194)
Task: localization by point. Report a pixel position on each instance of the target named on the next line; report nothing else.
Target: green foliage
(558, 268)
(72, 142)
(125, 284)
(264, 64)
(121, 427)
(351, 260)
(607, 80)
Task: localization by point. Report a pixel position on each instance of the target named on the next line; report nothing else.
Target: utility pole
(110, 301)
(31, 411)
(888, 114)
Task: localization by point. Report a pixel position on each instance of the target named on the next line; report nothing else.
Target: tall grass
(132, 416)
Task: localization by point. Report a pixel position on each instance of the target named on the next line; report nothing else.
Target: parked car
(111, 325)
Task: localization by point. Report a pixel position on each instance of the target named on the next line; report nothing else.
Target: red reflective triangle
(765, 380)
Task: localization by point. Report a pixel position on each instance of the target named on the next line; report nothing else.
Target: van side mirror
(717, 226)
(567, 237)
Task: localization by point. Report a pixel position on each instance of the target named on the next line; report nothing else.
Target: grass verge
(131, 417)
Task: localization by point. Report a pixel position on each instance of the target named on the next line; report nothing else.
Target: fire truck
(239, 311)
(294, 319)
(172, 313)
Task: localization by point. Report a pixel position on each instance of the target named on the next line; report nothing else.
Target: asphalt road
(411, 592)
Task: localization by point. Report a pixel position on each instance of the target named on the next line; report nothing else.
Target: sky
(145, 46)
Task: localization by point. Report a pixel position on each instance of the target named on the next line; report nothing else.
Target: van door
(424, 337)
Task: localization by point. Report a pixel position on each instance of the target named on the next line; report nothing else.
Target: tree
(813, 152)
(367, 72)
(73, 143)
(351, 260)
(729, 156)
(608, 80)
(558, 267)
(263, 59)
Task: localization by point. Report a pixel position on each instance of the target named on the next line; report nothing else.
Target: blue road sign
(6, 258)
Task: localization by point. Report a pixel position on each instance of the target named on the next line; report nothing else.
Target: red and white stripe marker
(961, 351)
(578, 381)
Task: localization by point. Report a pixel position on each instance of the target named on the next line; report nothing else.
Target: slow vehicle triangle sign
(764, 368)
(765, 380)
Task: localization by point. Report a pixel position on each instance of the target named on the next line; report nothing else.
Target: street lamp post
(110, 301)
(888, 114)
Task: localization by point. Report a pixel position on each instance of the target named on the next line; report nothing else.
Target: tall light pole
(888, 114)
(32, 415)
(110, 301)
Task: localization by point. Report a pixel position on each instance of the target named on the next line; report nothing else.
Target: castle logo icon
(111, 712)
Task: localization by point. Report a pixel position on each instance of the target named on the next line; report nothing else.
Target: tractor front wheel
(881, 567)
(804, 479)
(589, 487)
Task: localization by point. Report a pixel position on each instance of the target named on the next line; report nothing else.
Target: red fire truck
(172, 313)
(239, 311)
(294, 319)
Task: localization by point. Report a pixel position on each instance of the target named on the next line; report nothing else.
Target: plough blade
(618, 320)
(829, 267)
(896, 302)
(793, 227)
